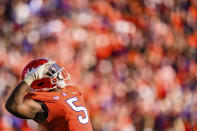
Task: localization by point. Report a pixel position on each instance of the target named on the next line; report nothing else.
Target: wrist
(28, 81)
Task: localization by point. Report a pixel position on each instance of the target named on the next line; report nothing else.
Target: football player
(51, 103)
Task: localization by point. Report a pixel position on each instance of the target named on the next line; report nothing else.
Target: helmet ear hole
(41, 83)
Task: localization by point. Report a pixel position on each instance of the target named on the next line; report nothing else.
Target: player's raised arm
(52, 103)
(20, 107)
(17, 104)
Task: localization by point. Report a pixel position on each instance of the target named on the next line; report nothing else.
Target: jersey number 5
(78, 109)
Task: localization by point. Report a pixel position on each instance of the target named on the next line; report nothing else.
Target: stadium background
(134, 60)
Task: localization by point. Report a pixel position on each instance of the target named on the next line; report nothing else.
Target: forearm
(17, 96)
(17, 104)
(20, 107)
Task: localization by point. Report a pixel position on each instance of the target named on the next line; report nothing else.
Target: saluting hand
(37, 73)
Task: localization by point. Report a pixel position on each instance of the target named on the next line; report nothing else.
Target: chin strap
(60, 82)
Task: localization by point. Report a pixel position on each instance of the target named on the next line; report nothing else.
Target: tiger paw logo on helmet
(55, 77)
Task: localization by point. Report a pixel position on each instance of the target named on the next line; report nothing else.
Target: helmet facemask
(57, 75)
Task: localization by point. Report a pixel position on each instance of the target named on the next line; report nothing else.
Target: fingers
(46, 66)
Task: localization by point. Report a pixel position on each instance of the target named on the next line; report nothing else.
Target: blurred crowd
(134, 60)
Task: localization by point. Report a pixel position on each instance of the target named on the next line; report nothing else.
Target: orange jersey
(66, 110)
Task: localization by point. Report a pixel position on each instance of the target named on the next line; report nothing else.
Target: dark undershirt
(43, 114)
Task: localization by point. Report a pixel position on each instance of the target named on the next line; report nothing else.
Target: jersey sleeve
(53, 107)
(53, 111)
